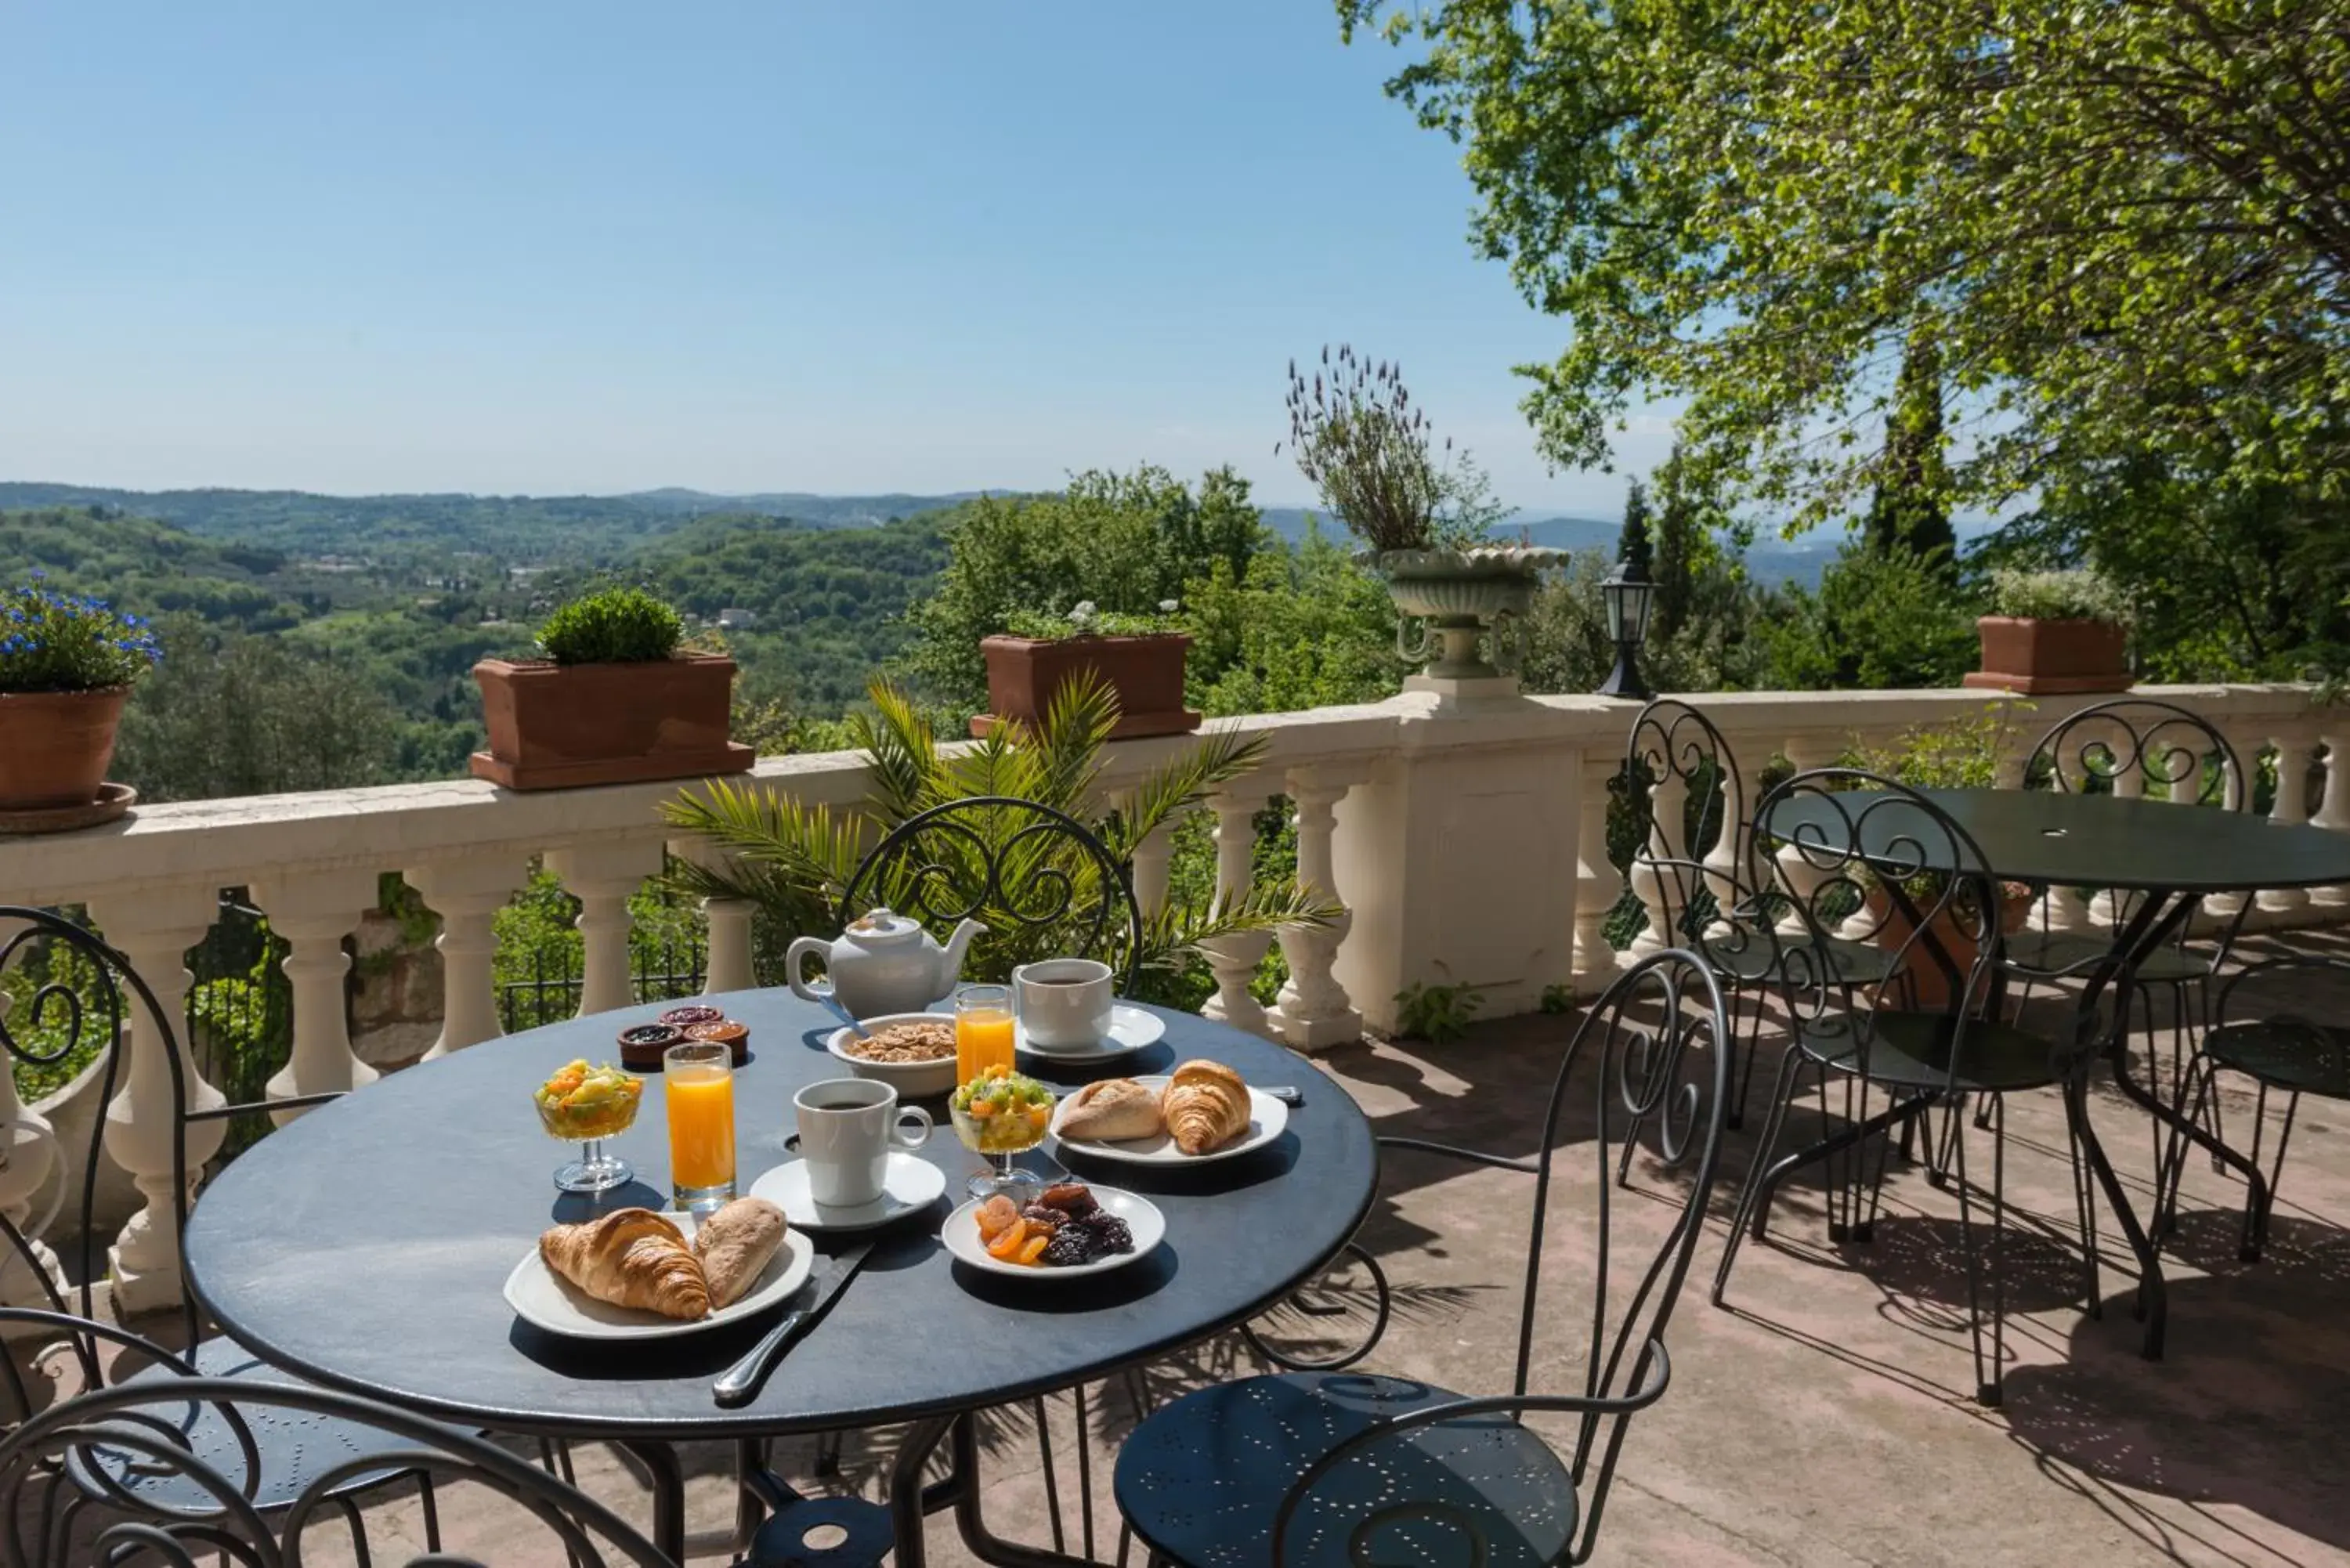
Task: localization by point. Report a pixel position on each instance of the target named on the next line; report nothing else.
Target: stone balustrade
(1465, 837)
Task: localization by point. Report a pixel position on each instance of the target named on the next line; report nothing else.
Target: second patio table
(366, 1245)
(2175, 855)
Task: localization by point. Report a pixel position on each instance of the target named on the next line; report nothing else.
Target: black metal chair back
(1039, 879)
(2144, 747)
(1676, 750)
(1649, 1059)
(211, 1513)
(1844, 844)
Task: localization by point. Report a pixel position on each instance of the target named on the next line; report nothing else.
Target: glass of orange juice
(983, 1032)
(698, 1080)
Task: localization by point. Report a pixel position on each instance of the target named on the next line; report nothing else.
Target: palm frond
(770, 842)
(1183, 784)
(1172, 932)
(1068, 745)
(901, 753)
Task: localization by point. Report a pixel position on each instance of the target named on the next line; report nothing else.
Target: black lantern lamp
(1630, 595)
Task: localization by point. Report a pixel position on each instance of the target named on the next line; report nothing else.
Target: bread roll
(735, 1245)
(1111, 1110)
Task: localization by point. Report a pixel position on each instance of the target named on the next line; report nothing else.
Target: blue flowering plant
(55, 642)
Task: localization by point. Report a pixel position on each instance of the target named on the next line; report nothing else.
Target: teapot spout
(957, 946)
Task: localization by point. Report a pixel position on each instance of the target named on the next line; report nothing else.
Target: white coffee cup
(1065, 1003)
(848, 1127)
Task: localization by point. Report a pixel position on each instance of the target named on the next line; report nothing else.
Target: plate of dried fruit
(1070, 1228)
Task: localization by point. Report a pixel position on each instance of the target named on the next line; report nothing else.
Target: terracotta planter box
(1147, 672)
(556, 726)
(2049, 657)
(1929, 985)
(54, 746)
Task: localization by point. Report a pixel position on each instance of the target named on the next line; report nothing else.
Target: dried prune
(1070, 1246)
(1108, 1232)
(1071, 1198)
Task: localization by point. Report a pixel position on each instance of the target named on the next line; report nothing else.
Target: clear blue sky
(798, 245)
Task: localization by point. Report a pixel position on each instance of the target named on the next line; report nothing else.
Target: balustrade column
(1314, 1011)
(154, 929)
(2219, 909)
(467, 896)
(2290, 808)
(314, 912)
(1795, 875)
(1667, 805)
(1152, 858)
(1235, 959)
(603, 877)
(727, 964)
(1597, 884)
(29, 1151)
(2129, 783)
(2333, 812)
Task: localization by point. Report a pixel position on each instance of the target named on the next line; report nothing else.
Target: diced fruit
(1033, 1247)
(1008, 1242)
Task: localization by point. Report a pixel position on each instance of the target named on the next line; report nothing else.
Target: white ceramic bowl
(912, 1080)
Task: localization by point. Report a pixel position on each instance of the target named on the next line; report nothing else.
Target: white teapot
(882, 963)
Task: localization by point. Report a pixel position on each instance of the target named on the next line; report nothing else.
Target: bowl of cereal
(913, 1052)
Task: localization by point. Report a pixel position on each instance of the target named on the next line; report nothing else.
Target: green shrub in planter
(616, 626)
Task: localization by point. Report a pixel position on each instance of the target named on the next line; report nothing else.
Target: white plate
(1130, 1029)
(912, 1080)
(1141, 1216)
(907, 1186)
(1267, 1116)
(540, 1295)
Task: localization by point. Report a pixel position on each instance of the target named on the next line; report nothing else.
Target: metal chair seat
(2073, 953)
(1912, 1051)
(1758, 960)
(296, 1447)
(2286, 1054)
(1202, 1480)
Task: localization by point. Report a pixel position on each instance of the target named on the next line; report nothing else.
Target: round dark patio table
(2174, 854)
(366, 1246)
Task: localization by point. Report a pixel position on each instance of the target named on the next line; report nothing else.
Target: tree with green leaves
(1633, 545)
(2125, 227)
(1911, 508)
(1687, 515)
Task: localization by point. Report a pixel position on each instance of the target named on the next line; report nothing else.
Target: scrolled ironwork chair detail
(2263, 1027)
(196, 1505)
(1928, 1033)
(1039, 878)
(1349, 1467)
(78, 1008)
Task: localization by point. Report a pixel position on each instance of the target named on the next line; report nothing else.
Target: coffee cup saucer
(909, 1185)
(1130, 1029)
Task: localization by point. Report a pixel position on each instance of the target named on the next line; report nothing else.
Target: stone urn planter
(560, 726)
(1146, 672)
(2051, 658)
(54, 746)
(1463, 598)
(1928, 986)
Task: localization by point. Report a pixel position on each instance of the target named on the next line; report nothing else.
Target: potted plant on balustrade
(1140, 656)
(615, 700)
(2050, 633)
(790, 860)
(1426, 522)
(67, 666)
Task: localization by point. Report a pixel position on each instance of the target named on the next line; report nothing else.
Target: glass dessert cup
(997, 1115)
(586, 1107)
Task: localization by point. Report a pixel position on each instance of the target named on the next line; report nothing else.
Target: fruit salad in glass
(585, 1105)
(1000, 1113)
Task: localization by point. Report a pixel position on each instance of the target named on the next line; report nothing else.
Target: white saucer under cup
(909, 1186)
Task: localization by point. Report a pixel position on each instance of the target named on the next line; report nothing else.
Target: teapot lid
(879, 925)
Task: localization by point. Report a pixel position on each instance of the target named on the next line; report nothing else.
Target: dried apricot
(995, 1214)
(1006, 1244)
(1033, 1247)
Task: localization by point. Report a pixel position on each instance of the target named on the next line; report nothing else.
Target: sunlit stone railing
(1467, 840)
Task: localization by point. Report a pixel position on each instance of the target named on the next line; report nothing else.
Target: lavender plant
(1371, 453)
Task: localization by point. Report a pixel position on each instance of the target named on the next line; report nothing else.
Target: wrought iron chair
(2273, 1041)
(158, 1495)
(1858, 838)
(1697, 864)
(1343, 1464)
(2136, 745)
(1038, 877)
(82, 1002)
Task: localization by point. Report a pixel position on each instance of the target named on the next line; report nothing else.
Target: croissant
(1205, 1104)
(735, 1245)
(632, 1258)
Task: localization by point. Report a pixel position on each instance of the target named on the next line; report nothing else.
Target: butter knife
(741, 1383)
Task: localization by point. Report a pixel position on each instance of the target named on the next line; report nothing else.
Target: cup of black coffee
(1064, 1004)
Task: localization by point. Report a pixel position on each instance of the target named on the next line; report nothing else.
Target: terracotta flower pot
(1025, 673)
(2051, 658)
(559, 726)
(54, 746)
(1956, 936)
